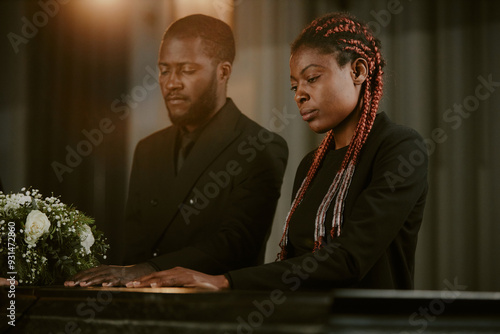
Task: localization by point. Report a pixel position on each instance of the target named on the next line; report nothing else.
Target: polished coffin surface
(184, 310)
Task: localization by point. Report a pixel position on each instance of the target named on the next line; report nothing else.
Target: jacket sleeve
(245, 221)
(377, 216)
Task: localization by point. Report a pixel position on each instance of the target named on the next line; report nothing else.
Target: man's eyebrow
(177, 64)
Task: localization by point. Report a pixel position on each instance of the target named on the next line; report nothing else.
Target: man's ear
(359, 71)
(224, 71)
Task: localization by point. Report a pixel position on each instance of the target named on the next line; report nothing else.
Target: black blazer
(215, 215)
(382, 216)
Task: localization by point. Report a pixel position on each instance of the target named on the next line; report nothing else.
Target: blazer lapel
(166, 161)
(219, 134)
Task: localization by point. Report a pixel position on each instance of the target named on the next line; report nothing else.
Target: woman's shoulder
(387, 135)
(389, 140)
(385, 128)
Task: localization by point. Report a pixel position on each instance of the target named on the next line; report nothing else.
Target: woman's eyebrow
(307, 67)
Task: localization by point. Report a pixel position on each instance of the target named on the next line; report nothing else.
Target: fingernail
(129, 284)
(107, 284)
(137, 283)
(154, 285)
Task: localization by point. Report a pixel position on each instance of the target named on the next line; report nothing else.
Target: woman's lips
(308, 114)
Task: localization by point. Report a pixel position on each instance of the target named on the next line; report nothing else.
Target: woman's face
(327, 95)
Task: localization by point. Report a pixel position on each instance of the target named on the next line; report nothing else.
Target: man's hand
(181, 277)
(6, 282)
(109, 275)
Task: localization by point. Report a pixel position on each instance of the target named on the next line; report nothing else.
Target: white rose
(37, 224)
(86, 238)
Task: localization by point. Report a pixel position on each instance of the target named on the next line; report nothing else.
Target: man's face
(188, 81)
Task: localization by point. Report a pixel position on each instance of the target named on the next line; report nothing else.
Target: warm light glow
(101, 12)
(105, 3)
(221, 9)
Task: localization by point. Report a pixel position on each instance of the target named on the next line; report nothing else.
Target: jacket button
(154, 202)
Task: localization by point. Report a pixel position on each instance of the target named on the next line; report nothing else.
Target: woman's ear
(359, 71)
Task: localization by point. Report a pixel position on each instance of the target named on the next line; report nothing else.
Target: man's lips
(308, 114)
(175, 99)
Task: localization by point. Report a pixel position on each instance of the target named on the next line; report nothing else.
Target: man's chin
(187, 117)
(177, 116)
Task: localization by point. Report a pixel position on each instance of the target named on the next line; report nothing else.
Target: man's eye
(313, 79)
(188, 71)
(293, 88)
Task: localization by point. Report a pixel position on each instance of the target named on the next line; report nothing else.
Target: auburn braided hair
(348, 39)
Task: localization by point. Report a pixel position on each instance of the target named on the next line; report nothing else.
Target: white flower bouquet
(44, 241)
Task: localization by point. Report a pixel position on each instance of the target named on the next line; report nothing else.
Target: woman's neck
(345, 130)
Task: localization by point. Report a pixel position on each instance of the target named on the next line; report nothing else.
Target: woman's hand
(181, 277)
(109, 275)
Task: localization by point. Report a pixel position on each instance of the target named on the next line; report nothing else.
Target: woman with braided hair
(359, 198)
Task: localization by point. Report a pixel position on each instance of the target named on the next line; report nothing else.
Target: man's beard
(201, 110)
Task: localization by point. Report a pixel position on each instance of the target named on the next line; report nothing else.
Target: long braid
(318, 157)
(330, 34)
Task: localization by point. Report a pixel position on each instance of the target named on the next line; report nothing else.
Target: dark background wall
(72, 108)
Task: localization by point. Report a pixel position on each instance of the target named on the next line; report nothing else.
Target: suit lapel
(166, 161)
(215, 138)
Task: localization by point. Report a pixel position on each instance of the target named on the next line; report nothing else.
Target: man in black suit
(203, 192)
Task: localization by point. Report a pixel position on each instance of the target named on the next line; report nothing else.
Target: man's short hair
(216, 35)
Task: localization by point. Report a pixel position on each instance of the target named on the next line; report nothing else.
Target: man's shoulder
(246, 124)
(250, 128)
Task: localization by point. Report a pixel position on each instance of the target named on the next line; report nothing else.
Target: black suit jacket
(215, 214)
(382, 216)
